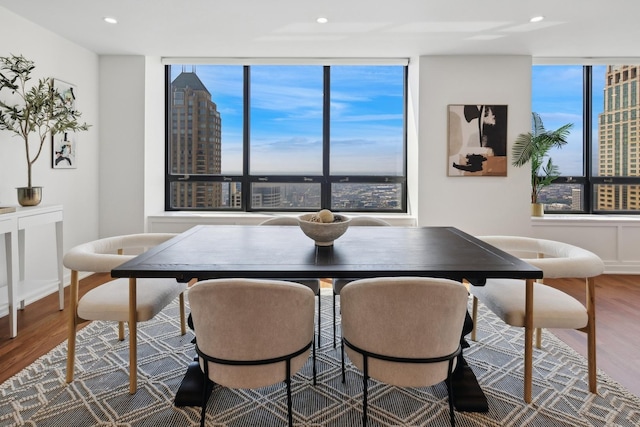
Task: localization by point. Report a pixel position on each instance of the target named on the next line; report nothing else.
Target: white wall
(122, 133)
(76, 189)
(154, 138)
(477, 205)
(614, 238)
(132, 153)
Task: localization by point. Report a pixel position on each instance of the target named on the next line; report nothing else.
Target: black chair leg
(288, 382)
(314, 364)
(203, 412)
(319, 316)
(342, 359)
(449, 383)
(334, 320)
(365, 389)
(205, 385)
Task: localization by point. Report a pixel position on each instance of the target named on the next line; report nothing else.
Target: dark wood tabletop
(284, 252)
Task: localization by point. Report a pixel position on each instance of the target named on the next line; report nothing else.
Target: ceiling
(356, 28)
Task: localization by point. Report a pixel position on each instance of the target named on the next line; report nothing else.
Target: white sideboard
(13, 226)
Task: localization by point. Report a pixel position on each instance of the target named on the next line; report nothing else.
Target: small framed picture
(63, 145)
(64, 152)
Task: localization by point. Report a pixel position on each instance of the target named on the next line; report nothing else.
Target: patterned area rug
(39, 396)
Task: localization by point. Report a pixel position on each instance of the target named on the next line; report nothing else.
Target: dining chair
(403, 331)
(251, 333)
(313, 284)
(121, 300)
(552, 308)
(338, 284)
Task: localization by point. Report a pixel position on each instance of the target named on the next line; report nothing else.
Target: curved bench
(552, 308)
(121, 300)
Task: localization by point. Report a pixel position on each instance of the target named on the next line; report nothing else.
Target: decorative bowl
(323, 233)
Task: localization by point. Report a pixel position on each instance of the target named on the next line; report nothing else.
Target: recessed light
(110, 20)
(322, 20)
(536, 18)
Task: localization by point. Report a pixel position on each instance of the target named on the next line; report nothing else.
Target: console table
(14, 226)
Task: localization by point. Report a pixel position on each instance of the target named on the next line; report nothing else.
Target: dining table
(285, 252)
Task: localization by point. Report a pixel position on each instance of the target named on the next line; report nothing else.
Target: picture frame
(63, 146)
(477, 140)
(63, 150)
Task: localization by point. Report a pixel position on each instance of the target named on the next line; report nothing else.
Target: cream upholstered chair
(403, 331)
(251, 333)
(338, 284)
(552, 308)
(115, 299)
(313, 284)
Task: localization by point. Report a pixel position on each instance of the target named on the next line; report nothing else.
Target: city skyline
(557, 95)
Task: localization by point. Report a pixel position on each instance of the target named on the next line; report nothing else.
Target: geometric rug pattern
(99, 394)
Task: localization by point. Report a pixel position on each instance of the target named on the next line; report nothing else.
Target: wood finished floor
(41, 326)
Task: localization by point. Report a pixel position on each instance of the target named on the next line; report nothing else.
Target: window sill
(549, 219)
(178, 221)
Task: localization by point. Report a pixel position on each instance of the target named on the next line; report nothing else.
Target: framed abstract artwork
(64, 152)
(63, 147)
(477, 138)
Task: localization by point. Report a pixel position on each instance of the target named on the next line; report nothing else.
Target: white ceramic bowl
(324, 233)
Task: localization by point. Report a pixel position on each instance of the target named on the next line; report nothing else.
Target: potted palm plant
(534, 147)
(33, 113)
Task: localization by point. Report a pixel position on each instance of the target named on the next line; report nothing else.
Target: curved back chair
(338, 284)
(121, 300)
(313, 284)
(251, 333)
(403, 331)
(550, 307)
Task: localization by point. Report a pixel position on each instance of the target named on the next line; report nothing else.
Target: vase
(537, 209)
(29, 196)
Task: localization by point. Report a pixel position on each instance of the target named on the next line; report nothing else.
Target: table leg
(133, 337)
(467, 393)
(10, 244)
(59, 251)
(21, 249)
(528, 340)
(190, 391)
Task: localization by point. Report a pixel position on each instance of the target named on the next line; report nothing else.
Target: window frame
(588, 181)
(326, 180)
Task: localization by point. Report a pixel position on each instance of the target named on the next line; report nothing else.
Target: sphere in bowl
(323, 233)
(325, 215)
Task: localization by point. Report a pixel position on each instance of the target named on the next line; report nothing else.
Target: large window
(600, 165)
(286, 137)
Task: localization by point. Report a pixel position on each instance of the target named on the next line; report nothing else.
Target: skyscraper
(618, 142)
(195, 144)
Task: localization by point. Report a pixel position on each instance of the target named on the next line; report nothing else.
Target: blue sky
(286, 118)
(366, 116)
(557, 97)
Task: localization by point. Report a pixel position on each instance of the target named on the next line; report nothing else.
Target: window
(602, 102)
(286, 137)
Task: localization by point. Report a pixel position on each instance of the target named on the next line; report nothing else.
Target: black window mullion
(587, 119)
(167, 143)
(246, 184)
(404, 142)
(325, 191)
(587, 113)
